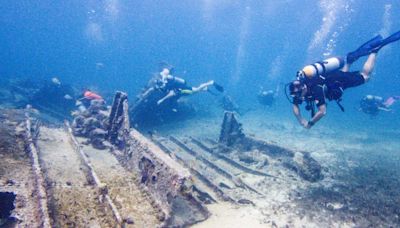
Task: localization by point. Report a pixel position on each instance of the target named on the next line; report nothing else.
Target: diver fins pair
(373, 45)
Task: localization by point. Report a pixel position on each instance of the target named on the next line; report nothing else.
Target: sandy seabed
(361, 186)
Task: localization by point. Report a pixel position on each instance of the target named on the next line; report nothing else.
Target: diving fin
(364, 49)
(373, 45)
(218, 87)
(392, 38)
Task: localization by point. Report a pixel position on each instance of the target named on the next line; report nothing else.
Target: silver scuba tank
(321, 68)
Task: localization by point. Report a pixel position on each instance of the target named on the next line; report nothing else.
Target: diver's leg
(148, 91)
(346, 67)
(368, 66)
(203, 86)
(169, 95)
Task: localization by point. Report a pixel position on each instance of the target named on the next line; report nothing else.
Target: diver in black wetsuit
(328, 79)
(175, 86)
(331, 87)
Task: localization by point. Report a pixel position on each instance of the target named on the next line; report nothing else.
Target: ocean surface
(109, 45)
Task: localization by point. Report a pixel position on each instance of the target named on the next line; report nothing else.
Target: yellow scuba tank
(321, 68)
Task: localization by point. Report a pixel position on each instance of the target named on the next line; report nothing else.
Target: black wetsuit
(177, 85)
(330, 86)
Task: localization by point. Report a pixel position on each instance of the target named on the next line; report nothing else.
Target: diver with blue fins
(328, 79)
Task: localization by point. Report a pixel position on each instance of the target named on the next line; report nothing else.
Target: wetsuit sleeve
(179, 80)
(318, 95)
(297, 101)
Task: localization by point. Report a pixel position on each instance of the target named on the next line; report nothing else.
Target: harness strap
(340, 105)
(323, 67)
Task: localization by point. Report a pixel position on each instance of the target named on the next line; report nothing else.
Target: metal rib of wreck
(164, 178)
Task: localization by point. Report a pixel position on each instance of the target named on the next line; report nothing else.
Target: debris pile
(250, 150)
(118, 127)
(92, 123)
(231, 130)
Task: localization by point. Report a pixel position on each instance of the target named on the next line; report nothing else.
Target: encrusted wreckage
(232, 138)
(166, 180)
(175, 177)
(92, 123)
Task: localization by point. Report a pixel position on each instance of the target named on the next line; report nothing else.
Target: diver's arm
(169, 95)
(321, 113)
(297, 114)
(151, 89)
(177, 79)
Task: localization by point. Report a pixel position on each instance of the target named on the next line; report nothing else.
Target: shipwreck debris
(39, 179)
(231, 130)
(102, 187)
(232, 138)
(168, 183)
(118, 127)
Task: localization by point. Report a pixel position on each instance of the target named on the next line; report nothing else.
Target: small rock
(246, 201)
(10, 182)
(222, 185)
(161, 216)
(129, 221)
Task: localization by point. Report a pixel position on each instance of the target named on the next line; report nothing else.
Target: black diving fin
(219, 87)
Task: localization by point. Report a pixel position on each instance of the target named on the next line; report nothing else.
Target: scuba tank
(320, 68)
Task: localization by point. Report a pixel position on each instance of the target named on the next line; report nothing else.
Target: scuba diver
(177, 87)
(329, 78)
(372, 105)
(267, 97)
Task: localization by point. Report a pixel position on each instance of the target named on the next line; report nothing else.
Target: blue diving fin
(364, 49)
(392, 38)
(373, 45)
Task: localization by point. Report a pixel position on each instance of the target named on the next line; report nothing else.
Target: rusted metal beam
(39, 179)
(228, 160)
(102, 187)
(237, 181)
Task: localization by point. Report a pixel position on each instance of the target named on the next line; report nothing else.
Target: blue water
(109, 45)
(112, 44)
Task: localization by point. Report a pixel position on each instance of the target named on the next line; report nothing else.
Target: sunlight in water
(332, 12)
(241, 50)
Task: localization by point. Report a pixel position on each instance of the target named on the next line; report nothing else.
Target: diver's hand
(304, 123)
(309, 124)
